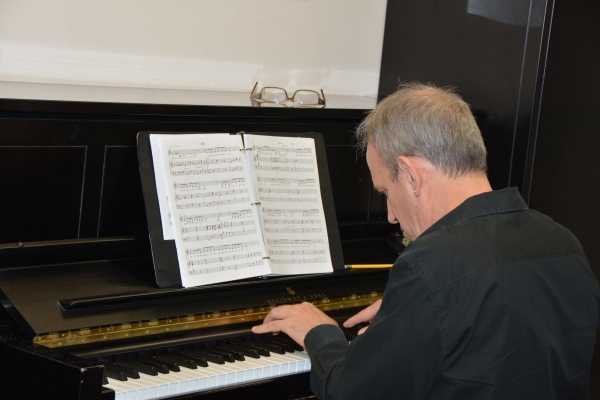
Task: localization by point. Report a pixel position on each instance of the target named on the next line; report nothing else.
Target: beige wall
(223, 45)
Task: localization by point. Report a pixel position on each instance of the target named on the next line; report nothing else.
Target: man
(491, 300)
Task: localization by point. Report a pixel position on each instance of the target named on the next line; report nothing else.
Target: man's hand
(365, 315)
(296, 321)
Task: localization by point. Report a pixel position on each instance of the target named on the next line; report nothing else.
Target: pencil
(368, 266)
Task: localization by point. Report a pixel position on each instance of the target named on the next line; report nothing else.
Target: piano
(82, 316)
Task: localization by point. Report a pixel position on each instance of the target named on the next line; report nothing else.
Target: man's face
(400, 201)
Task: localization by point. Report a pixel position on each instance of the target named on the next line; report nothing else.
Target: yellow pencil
(368, 266)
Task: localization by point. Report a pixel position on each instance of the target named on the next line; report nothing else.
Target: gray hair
(429, 122)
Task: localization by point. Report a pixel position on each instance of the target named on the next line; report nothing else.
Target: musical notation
(198, 271)
(283, 169)
(224, 259)
(213, 203)
(293, 230)
(295, 242)
(210, 194)
(223, 248)
(293, 221)
(298, 260)
(287, 182)
(207, 171)
(288, 191)
(220, 235)
(289, 199)
(278, 212)
(198, 219)
(281, 150)
(203, 184)
(282, 164)
(282, 160)
(216, 227)
(206, 161)
(193, 152)
(296, 252)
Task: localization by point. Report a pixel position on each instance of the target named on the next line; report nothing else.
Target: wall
(189, 44)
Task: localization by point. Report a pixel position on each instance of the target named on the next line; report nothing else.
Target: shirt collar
(497, 201)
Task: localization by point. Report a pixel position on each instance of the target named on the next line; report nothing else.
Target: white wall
(223, 45)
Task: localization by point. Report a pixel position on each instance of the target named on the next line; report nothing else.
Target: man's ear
(408, 165)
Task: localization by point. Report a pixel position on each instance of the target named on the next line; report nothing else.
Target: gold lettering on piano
(127, 330)
(290, 290)
(297, 299)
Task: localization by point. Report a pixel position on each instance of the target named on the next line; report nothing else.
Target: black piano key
(114, 372)
(160, 366)
(262, 351)
(268, 346)
(285, 346)
(212, 357)
(286, 339)
(246, 351)
(131, 372)
(138, 365)
(179, 359)
(228, 356)
(199, 360)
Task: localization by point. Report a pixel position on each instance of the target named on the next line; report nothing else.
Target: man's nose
(391, 217)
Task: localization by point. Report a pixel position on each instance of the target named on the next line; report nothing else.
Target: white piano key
(134, 390)
(211, 377)
(119, 389)
(230, 371)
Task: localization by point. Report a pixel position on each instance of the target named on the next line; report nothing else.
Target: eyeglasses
(275, 95)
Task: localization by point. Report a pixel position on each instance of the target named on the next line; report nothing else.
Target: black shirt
(494, 301)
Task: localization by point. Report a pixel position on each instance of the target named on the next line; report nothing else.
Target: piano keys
(203, 376)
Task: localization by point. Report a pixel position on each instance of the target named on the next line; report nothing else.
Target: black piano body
(76, 273)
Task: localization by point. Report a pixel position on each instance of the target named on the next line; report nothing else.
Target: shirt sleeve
(399, 356)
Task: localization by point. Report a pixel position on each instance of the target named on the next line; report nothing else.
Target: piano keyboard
(190, 369)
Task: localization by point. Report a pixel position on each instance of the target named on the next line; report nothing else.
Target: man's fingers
(280, 312)
(267, 327)
(365, 315)
(356, 319)
(362, 330)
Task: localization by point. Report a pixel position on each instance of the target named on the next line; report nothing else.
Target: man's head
(425, 153)
(428, 122)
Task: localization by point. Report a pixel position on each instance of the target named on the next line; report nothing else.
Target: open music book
(240, 206)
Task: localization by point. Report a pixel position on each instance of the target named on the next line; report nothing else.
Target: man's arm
(400, 355)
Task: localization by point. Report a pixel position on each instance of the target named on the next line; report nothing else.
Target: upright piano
(83, 316)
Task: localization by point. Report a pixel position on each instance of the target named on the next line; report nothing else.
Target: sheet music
(286, 178)
(161, 188)
(217, 230)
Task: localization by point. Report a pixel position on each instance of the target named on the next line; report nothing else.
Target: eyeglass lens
(306, 97)
(274, 94)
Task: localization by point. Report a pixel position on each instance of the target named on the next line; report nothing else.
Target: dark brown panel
(351, 183)
(41, 192)
(122, 204)
(489, 53)
(566, 170)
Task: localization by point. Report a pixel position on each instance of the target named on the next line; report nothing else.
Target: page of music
(286, 181)
(208, 194)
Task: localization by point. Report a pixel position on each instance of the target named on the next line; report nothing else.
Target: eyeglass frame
(258, 97)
